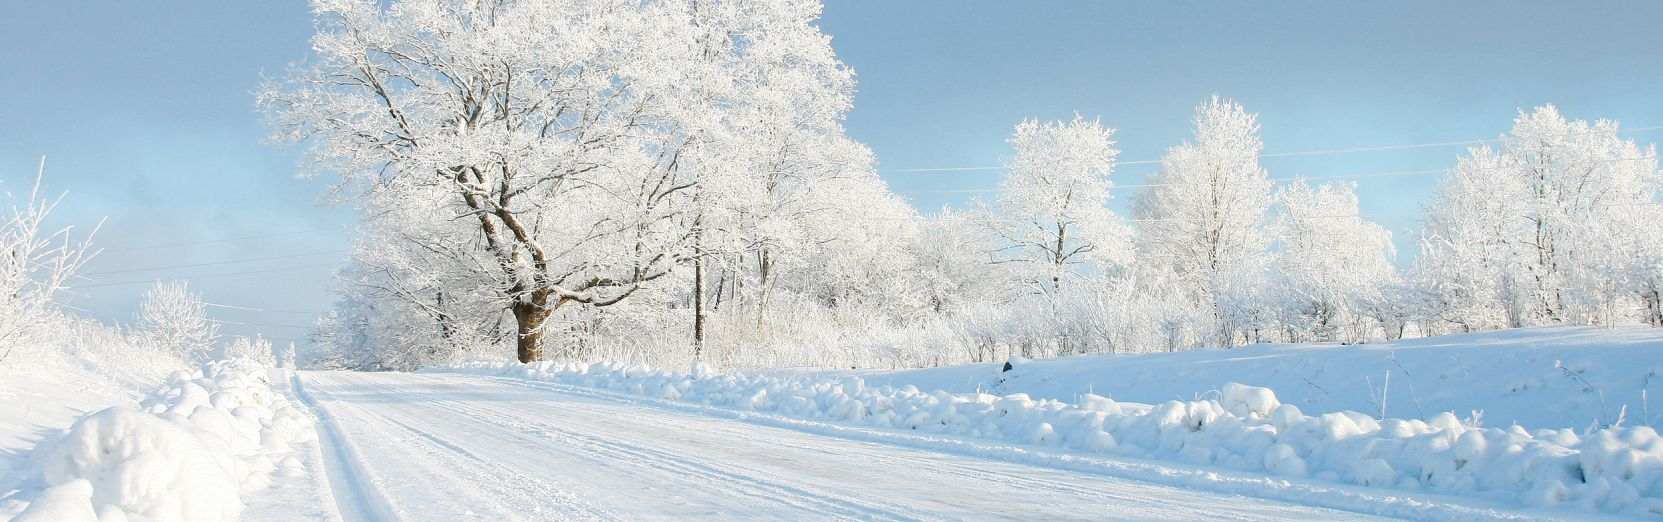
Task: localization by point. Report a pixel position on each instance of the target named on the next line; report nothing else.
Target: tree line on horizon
(670, 181)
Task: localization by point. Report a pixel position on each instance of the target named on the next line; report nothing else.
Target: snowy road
(447, 447)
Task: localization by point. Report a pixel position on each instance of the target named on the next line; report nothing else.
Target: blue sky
(145, 109)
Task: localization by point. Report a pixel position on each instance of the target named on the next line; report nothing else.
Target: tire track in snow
(604, 416)
(966, 471)
(354, 497)
(648, 459)
(463, 473)
(613, 452)
(1361, 501)
(520, 485)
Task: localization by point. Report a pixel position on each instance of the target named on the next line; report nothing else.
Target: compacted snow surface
(452, 447)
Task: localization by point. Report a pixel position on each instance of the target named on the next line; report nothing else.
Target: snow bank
(188, 452)
(1616, 470)
(1560, 377)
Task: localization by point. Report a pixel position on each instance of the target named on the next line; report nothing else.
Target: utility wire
(222, 240)
(261, 325)
(261, 310)
(1389, 173)
(1297, 153)
(209, 276)
(216, 263)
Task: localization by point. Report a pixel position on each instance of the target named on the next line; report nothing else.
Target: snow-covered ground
(1150, 437)
(456, 447)
(222, 443)
(1615, 465)
(1540, 377)
(44, 388)
(34, 404)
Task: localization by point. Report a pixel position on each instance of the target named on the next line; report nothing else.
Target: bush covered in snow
(173, 318)
(187, 452)
(1244, 428)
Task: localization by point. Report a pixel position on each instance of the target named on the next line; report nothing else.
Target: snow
(33, 403)
(67, 502)
(48, 383)
(228, 441)
(1568, 377)
(467, 447)
(189, 451)
(145, 465)
(1617, 469)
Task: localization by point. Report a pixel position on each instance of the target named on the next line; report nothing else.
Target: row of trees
(1559, 224)
(670, 180)
(1213, 254)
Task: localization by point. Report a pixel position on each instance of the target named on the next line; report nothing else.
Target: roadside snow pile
(187, 453)
(1617, 470)
(1559, 377)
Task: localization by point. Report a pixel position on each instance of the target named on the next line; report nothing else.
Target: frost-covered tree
(1644, 255)
(1463, 266)
(1542, 229)
(815, 220)
(286, 359)
(565, 136)
(257, 349)
(36, 263)
(953, 263)
(1203, 219)
(1057, 245)
(173, 318)
(1050, 219)
(1333, 264)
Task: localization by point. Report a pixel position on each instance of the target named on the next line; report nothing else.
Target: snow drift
(188, 452)
(1616, 470)
(1561, 377)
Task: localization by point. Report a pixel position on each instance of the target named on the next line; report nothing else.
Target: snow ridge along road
(449, 447)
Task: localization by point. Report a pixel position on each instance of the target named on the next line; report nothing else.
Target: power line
(262, 325)
(216, 263)
(260, 310)
(1297, 153)
(210, 276)
(1365, 175)
(223, 240)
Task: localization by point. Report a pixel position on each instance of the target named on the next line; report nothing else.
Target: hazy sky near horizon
(145, 110)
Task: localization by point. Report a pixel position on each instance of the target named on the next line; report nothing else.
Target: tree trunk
(1654, 307)
(698, 306)
(764, 268)
(529, 315)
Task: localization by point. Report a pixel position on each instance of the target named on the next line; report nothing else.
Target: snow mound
(190, 452)
(1613, 470)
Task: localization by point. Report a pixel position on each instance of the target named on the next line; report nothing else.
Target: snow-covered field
(1569, 377)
